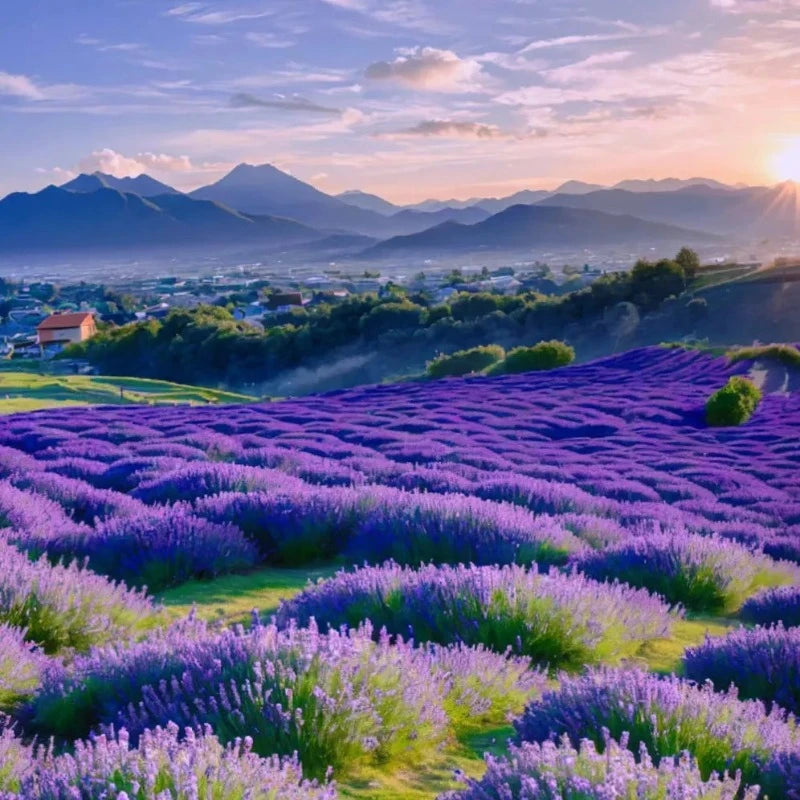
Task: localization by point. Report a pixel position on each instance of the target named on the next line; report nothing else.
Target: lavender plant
(779, 604)
(559, 771)
(669, 716)
(166, 766)
(762, 663)
(555, 619)
(703, 573)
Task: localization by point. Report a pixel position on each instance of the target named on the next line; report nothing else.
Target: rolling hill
(521, 227)
(758, 210)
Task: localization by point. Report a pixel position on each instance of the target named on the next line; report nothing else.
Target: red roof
(57, 322)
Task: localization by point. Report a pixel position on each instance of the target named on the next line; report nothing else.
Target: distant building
(281, 300)
(66, 328)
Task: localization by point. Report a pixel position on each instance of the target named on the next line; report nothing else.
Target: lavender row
(555, 619)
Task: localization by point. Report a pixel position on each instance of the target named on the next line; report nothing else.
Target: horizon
(400, 98)
(698, 179)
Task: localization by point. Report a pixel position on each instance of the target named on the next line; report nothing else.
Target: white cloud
(428, 68)
(122, 166)
(268, 40)
(19, 86)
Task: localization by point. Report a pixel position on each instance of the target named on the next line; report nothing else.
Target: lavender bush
(668, 716)
(763, 664)
(555, 619)
(21, 664)
(67, 606)
(165, 766)
(337, 699)
(703, 573)
(779, 604)
(558, 771)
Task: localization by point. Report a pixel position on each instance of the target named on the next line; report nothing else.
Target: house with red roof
(66, 328)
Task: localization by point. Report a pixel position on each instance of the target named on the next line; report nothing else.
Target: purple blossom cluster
(779, 604)
(762, 663)
(557, 771)
(703, 573)
(67, 606)
(669, 716)
(164, 766)
(555, 619)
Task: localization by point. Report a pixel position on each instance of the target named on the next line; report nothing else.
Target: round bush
(465, 362)
(669, 716)
(545, 355)
(558, 771)
(701, 572)
(555, 619)
(779, 604)
(763, 664)
(734, 403)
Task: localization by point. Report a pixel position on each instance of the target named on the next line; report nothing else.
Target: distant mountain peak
(142, 184)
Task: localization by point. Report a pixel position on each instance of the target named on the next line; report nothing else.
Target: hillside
(604, 469)
(767, 211)
(26, 391)
(521, 227)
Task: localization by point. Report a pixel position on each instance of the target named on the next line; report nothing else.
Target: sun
(786, 161)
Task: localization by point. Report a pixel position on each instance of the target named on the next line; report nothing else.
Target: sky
(405, 98)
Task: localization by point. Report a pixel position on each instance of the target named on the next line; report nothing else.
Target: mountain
(411, 221)
(524, 227)
(265, 189)
(142, 184)
(755, 210)
(527, 197)
(577, 187)
(106, 218)
(368, 202)
(667, 184)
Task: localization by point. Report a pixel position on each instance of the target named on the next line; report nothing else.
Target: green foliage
(652, 283)
(734, 403)
(785, 354)
(544, 355)
(391, 317)
(688, 260)
(465, 362)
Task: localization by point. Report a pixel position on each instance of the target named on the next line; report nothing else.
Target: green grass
(231, 598)
(28, 391)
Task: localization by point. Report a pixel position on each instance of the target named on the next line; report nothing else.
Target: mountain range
(264, 206)
(523, 227)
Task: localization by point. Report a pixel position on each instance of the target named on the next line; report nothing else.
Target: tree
(465, 362)
(653, 283)
(688, 261)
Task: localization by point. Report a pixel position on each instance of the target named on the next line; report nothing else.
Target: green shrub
(545, 355)
(785, 354)
(465, 362)
(734, 403)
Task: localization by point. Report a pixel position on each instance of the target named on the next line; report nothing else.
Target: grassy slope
(28, 391)
(232, 597)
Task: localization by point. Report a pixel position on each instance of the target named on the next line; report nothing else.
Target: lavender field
(524, 545)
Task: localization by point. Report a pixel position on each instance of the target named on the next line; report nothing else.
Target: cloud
(203, 14)
(19, 86)
(428, 68)
(268, 40)
(122, 166)
(448, 128)
(291, 103)
(756, 6)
